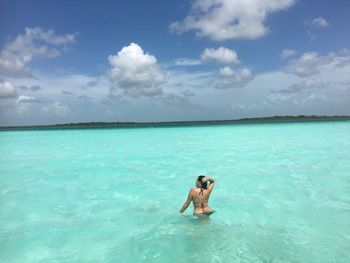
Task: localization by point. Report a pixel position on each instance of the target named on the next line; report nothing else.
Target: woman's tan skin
(200, 198)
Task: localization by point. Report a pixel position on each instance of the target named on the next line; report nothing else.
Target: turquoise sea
(282, 194)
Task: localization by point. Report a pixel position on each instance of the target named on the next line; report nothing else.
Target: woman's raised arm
(211, 185)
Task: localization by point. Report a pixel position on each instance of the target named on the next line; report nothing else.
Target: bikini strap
(201, 191)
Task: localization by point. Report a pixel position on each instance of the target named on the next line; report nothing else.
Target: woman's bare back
(200, 201)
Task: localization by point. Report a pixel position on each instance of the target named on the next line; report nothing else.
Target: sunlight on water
(282, 194)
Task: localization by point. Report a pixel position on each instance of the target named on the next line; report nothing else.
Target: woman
(200, 196)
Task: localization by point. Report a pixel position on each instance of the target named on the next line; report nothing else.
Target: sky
(145, 61)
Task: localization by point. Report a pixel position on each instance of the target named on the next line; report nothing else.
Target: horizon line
(92, 123)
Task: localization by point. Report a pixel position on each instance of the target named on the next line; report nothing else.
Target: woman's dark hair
(204, 185)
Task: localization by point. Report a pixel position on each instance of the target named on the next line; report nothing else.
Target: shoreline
(113, 125)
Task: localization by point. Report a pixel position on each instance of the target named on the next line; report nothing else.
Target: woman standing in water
(200, 196)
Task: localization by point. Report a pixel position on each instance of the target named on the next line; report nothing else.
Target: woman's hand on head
(205, 179)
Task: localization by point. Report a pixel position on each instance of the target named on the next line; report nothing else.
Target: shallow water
(282, 194)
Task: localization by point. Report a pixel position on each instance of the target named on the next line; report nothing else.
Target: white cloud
(318, 82)
(58, 108)
(306, 65)
(320, 22)
(49, 36)
(7, 90)
(306, 84)
(311, 63)
(135, 72)
(230, 19)
(296, 91)
(56, 89)
(222, 55)
(286, 53)
(187, 62)
(56, 84)
(226, 72)
(177, 101)
(34, 43)
(188, 80)
(28, 104)
(232, 79)
(26, 99)
(304, 95)
(315, 23)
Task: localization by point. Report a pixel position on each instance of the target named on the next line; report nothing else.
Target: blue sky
(73, 61)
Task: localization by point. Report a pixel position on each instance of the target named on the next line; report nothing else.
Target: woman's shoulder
(195, 190)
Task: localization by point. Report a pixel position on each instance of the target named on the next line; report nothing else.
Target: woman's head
(199, 182)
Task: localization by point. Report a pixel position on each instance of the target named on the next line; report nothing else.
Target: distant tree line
(117, 124)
